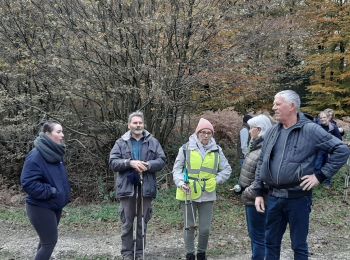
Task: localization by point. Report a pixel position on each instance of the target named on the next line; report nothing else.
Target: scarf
(256, 144)
(52, 152)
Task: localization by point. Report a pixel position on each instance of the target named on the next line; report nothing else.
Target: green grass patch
(91, 214)
(14, 215)
(166, 208)
(337, 190)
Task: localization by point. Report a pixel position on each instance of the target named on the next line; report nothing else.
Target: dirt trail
(19, 243)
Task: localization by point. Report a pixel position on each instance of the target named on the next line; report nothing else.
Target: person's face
(56, 135)
(136, 126)
(254, 132)
(283, 110)
(324, 119)
(204, 136)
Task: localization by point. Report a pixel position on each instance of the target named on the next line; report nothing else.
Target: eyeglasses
(205, 133)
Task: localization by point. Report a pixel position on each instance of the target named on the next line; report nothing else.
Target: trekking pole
(194, 218)
(186, 219)
(142, 218)
(188, 201)
(346, 183)
(135, 221)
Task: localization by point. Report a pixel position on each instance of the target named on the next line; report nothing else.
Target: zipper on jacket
(297, 125)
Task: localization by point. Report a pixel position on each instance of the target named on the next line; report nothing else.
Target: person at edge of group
(136, 153)
(44, 179)
(330, 114)
(321, 158)
(206, 166)
(255, 220)
(286, 166)
(244, 139)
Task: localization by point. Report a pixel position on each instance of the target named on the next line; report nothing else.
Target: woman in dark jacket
(44, 179)
(255, 220)
(321, 158)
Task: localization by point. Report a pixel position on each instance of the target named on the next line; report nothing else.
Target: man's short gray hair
(136, 113)
(290, 96)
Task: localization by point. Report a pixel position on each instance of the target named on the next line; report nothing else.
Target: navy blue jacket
(45, 183)
(303, 142)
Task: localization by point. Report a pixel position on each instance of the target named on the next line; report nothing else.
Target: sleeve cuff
(259, 192)
(127, 163)
(180, 184)
(53, 192)
(320, 176)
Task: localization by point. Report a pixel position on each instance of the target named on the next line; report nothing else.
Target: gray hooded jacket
(119, 162)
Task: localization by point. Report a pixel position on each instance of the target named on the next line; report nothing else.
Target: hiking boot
(201, 256)
(190, 256)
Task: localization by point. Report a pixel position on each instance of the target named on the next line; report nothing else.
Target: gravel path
(19, 243)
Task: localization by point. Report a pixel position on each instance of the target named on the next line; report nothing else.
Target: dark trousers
(283, 211)
(45, 223)
(127, 217)
(256, 230)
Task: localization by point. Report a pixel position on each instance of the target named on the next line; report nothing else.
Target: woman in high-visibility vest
(199, 166)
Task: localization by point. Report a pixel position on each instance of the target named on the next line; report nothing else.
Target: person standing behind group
(286, 165)
(137, 153)
(206, 166)
(255, 220)
(44, 178)
(322, 156)
(243, 141)
(330, 114)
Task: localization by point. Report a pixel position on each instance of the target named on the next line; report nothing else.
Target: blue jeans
(256, 230)
(283, 211)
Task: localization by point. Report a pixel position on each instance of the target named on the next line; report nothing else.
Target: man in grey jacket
(137, 154)
(286, 165)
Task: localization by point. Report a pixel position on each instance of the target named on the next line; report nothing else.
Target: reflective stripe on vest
(194, 159)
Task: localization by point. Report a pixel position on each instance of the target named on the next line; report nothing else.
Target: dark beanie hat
(246, 118)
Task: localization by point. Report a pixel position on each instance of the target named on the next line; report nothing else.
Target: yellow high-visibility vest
(201, 174)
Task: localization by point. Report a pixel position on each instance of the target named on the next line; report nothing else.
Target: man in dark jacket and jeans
(286, 165)
(136, 154)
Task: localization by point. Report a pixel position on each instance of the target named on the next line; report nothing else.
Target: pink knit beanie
(204, 124)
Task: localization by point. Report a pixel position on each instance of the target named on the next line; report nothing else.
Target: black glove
(133, 178)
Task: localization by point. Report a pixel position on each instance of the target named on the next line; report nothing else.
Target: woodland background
(89, 63)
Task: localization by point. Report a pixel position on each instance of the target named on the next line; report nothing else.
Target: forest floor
(329, 238)
(92, 231)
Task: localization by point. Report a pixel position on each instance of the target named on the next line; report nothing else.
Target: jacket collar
(194, 144)
(127, 135)
(302, 120)
(256, 144)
